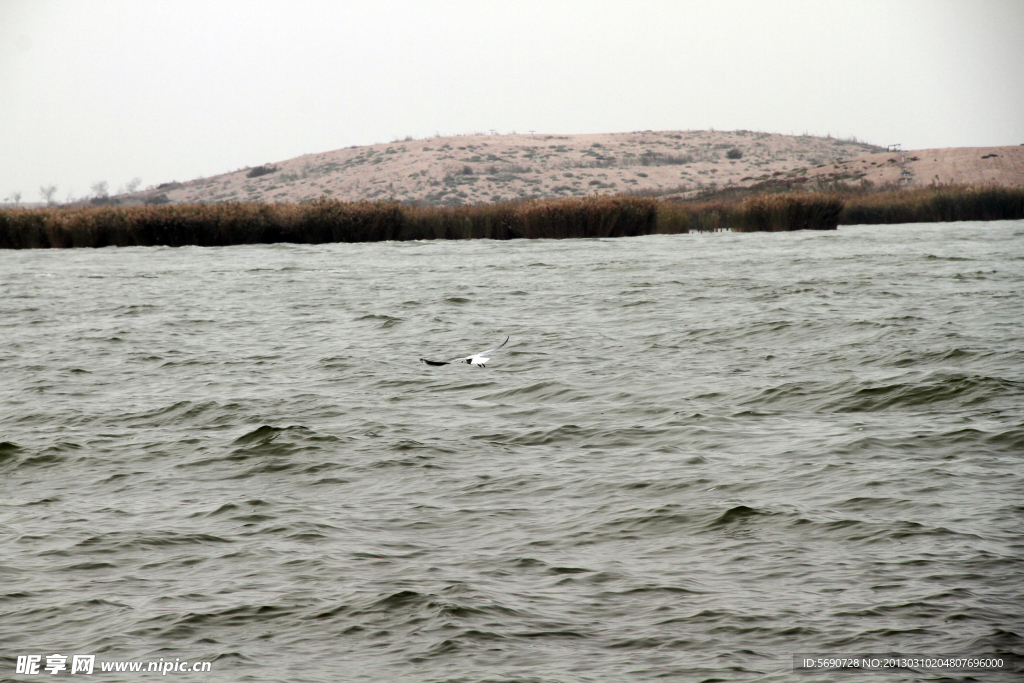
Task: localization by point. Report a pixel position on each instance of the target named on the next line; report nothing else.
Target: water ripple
(697, 455)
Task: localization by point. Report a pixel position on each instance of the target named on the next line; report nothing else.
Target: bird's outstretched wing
(445, 362)
(459, 360)
(484, 353)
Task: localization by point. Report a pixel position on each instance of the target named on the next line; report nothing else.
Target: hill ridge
(475, 169)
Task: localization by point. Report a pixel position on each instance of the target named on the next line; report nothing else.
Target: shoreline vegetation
(328, 220)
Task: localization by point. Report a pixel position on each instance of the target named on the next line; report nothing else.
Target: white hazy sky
(174, 90)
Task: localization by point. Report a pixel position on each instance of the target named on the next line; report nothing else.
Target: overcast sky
(174, 90)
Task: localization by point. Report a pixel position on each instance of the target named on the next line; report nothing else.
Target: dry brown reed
(790, 211)
(936, 204)
(324, 220)
(329, 220)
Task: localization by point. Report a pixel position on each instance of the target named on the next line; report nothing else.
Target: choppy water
(698, 455)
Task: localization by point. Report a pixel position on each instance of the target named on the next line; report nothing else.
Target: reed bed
(935, 205)
(326, 220)
(329, 220)
(768, 213)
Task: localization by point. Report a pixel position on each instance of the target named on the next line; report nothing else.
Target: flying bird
(477, 359)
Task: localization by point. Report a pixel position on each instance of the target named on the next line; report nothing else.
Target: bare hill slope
(474, 169)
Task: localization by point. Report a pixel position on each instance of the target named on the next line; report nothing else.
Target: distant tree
(133, 184)
(46, 193)
(99, 189)
(16, 196)
(734, 153)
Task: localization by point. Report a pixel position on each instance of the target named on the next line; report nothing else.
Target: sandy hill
(470, 169)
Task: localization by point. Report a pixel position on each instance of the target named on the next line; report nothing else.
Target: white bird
(477, 359)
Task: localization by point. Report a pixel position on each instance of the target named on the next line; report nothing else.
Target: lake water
(698, 455)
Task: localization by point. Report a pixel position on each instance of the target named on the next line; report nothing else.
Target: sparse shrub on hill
(734, 153)
(659, 159)
(265, 169)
